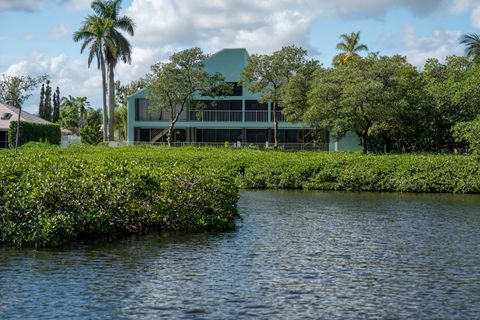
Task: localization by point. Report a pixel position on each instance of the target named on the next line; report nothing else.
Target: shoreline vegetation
(51, 196)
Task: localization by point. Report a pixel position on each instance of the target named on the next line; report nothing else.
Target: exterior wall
(230, 63)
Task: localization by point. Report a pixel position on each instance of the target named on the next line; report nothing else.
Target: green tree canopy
(358, 97)
(268, 74)
(173, 85)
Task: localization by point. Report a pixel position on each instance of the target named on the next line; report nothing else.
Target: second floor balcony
(234, 116)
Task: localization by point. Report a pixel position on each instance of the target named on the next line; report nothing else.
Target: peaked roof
(229, 62)
(25, 116)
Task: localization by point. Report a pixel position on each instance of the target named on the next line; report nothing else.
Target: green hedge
(260, 169)
(52, 195)
(50, 200)
(34, 132)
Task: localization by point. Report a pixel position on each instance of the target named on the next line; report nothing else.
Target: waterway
(295, 255)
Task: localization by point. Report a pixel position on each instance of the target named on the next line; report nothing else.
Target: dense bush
(468, 133)
(51, 195)
(49, 199)
(260, 169)
(34, 132)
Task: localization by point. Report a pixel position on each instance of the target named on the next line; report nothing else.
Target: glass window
(144, 113)
(254, 105)
(3, 139)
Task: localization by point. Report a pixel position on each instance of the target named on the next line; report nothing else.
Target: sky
(36, 35)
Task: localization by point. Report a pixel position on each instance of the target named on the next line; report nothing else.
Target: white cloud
(28, 36)
(220, 23)
(475, 17)
(76, 5)
(20, 5)
(261, 26)
(72, 76)
(440, 44)
(58, 32)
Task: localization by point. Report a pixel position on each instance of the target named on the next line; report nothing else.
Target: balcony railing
(280, 116)
(233, 116)
(215, 116)
(256, 116)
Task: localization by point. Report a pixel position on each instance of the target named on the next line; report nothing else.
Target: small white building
(9, 114)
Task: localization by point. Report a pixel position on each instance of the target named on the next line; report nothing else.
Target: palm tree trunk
(111, 102)
(104, 94)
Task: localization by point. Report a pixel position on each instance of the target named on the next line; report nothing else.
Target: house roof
(25, 116)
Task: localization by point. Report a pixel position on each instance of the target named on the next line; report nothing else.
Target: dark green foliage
(48, 102)
(84, 192)
(41, 107)
(56, 106)
(91, 135)
(60, 197)
(468, 133)
(34, 132)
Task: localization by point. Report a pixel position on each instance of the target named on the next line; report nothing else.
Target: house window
(6, 116)
(219, 135)
(3, 139)
(144, 113)
(254, 105)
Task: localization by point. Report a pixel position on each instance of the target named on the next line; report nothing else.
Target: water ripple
(296, 255)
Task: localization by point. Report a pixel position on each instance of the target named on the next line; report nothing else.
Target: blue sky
(36, 35)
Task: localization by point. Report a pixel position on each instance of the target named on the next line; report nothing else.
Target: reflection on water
(294, 255)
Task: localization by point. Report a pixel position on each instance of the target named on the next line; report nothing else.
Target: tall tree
(15, 90)
(74, 113)
(350, 47)
(173, 85)
(48, 102)
(94, 33)
(41, 107)
(452, 87)
(267, 74)
(56, 106)
(359, 97)
(295, 91)
(471, 42)
(117, 47)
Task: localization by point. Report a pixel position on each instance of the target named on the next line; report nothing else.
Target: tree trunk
(365, 143)
(170, 134)
(275, 127)
(111, 103)
(104, 94)
(17, 133)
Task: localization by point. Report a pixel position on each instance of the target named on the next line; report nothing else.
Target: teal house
(238, 118)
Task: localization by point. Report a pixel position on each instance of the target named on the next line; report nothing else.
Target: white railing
(215, 116)
(256, 116)
(280, 116)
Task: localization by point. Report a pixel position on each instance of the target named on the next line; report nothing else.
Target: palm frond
(126, 24)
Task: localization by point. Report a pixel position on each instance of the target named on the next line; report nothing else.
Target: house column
(269, 112)
(243, 110)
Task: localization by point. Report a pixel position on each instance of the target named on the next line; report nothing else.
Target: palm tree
(116, 48)
(471, 42)
(350, 47)
(93, 33)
